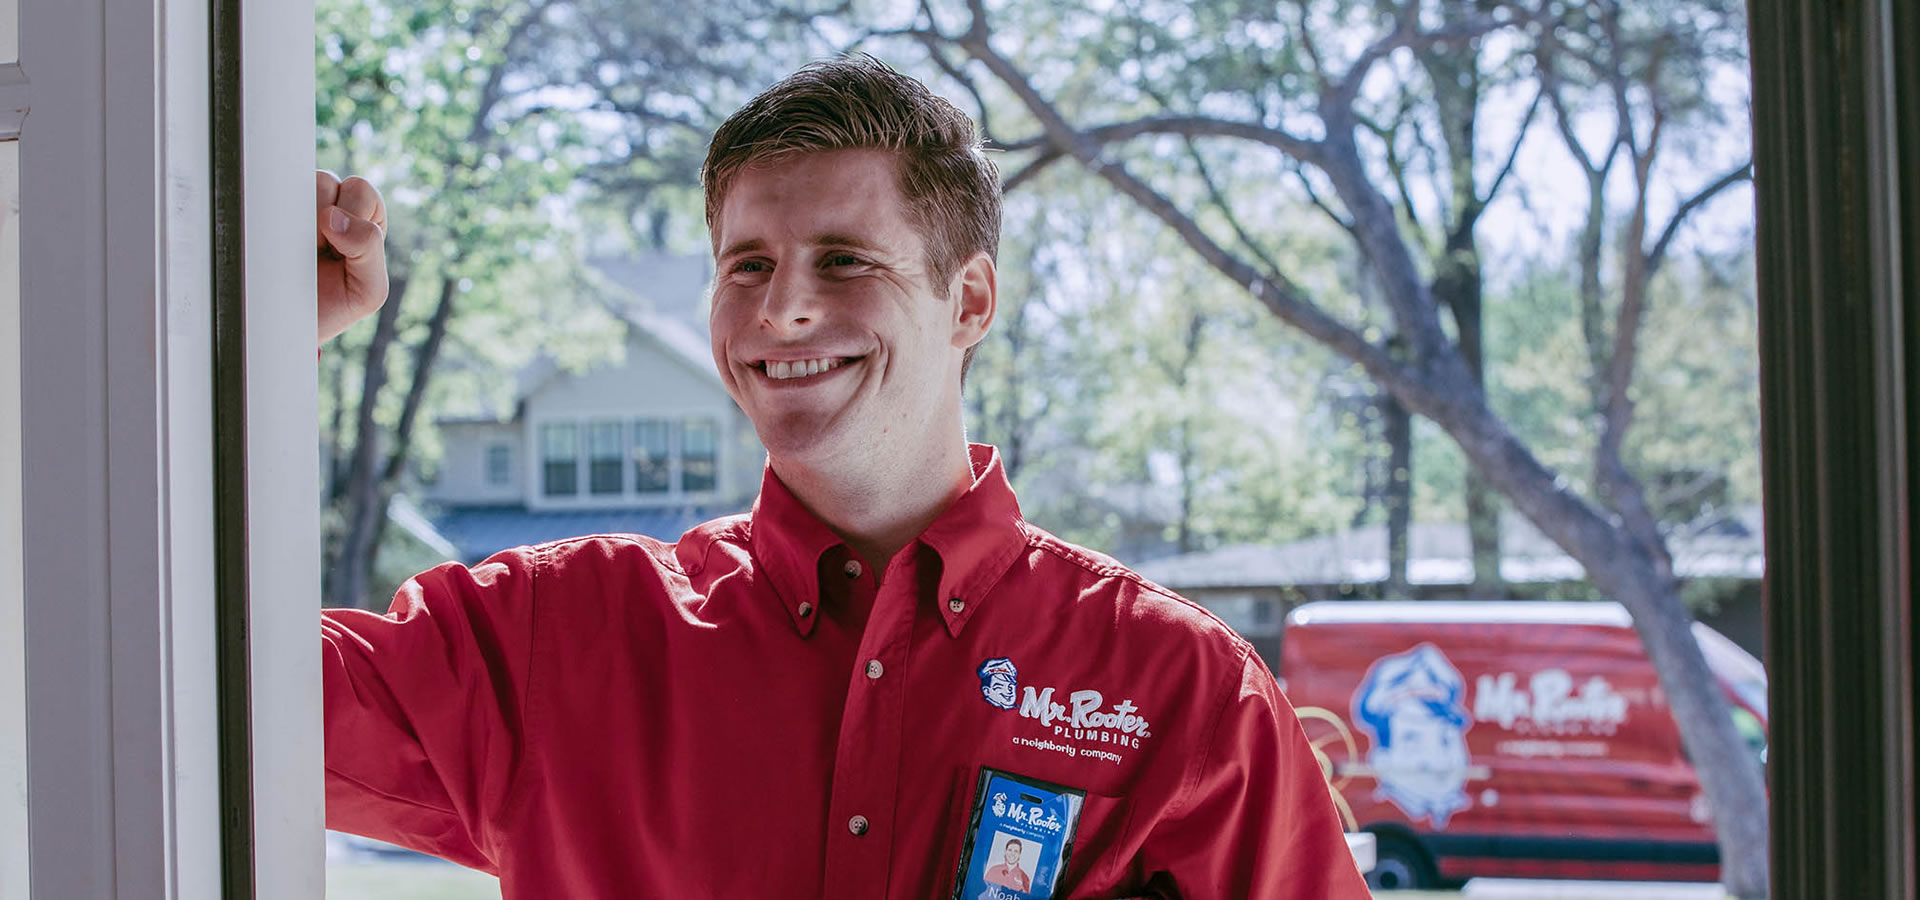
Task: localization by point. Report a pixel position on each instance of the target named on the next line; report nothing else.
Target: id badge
(1019, 837)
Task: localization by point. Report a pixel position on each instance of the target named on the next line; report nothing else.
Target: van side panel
(1509, 748)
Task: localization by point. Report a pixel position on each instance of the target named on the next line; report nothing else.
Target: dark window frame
(1837, 168)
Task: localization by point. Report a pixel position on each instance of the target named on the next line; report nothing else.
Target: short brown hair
(951, 188)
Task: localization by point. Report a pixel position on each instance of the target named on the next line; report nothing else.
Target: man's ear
(976, 293)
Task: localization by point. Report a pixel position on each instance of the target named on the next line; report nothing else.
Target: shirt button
(852, 568)
(956, 604)
(857, 825)
(875, 669)
(806, 609)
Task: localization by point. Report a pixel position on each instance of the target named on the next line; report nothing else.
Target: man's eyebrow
(834, 239)
(749, 245)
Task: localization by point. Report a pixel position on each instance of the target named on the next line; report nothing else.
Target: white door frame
(117, 427)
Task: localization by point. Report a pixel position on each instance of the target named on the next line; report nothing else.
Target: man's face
(827, 328)
(1012, 855)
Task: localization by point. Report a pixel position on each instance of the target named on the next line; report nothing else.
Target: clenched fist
(351, 241)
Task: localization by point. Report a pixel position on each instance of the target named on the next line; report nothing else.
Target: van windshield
(1735, 666)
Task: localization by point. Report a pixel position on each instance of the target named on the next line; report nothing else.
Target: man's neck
(879, 509)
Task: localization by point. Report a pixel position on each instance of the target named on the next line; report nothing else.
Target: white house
(651, 444)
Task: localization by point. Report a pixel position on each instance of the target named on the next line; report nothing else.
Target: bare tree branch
(1273, 289)
(1404, 35)
(1526, 124)
(1220, 203)
(1658, 256)
(1313, 197)
(1046, 158)
(959, 75)
(1186, 126)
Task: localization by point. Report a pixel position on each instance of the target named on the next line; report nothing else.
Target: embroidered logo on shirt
(1084, 719)
(1000, 682)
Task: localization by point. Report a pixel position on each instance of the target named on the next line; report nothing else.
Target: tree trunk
(1453, 70)
(1622, 569)
(358, 492)
(1397, 433)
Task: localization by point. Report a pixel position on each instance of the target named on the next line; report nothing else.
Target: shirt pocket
(1101, 844)
(1101, 841)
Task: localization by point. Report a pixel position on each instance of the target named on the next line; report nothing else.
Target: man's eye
(751, 265)
(842, 259)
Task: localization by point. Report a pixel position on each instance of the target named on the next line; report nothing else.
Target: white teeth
(782, 370)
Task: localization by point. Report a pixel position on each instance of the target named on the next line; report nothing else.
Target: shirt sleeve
(426, 707)
(1259, 821)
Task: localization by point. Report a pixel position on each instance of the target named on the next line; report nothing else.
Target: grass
(408, 881)
(433, 880)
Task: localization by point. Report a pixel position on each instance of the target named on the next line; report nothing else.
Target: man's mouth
(786, 369)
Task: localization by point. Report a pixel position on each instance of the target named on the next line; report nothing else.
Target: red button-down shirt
(748, 713)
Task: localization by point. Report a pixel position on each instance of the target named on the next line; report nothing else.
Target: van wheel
(1400, 865)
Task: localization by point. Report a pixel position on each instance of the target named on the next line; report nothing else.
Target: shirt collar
(976, 538)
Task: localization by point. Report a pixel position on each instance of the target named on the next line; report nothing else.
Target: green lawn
(414, 880)
(408, 881)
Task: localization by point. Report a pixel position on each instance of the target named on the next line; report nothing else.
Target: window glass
(499, 464)
(1263, 612)
(698, 452)
(603, 458)
(13, 688)
(652, 456)
(560, 459)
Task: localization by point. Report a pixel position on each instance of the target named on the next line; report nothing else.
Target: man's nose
(792, 301)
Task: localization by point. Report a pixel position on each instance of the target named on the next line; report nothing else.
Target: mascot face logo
(1000, 682)
(1412, 705)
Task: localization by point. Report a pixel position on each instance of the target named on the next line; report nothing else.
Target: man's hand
(351, 241)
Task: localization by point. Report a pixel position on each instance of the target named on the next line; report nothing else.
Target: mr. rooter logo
(1550, 704)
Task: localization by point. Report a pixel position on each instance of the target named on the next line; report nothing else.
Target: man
(1007, 874)
(800, 702)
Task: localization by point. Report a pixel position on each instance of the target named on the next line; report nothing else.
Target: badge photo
(1019, 837)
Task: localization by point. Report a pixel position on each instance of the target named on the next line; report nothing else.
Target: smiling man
(809, 700)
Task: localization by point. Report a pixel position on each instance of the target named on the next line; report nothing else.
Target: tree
(1254, 76)
(1138, 405)
(432, 99)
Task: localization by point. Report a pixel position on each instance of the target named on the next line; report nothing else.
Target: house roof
(480, 531)
(662, 298)
(1440, 553)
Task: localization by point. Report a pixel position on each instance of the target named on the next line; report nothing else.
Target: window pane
(603, 454)
(13, 687)
(698, 471)
(652, 473)
(499, 464)
(560, 459)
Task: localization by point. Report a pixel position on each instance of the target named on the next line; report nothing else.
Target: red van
(1508, 739)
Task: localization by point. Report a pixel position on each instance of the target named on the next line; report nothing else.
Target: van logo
(1549, 704)
(1412, 706)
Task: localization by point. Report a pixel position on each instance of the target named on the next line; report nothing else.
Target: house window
(699, 470)
(499, 464)
(652, 456)
(603, 458)
(560, 459)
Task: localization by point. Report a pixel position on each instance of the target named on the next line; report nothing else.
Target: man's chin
(801, 438)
